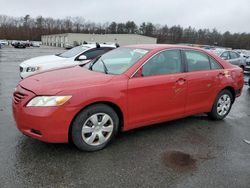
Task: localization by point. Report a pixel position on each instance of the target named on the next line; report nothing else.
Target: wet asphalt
(190, 152)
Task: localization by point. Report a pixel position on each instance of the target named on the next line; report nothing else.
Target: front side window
(117, 61)
(197, 61)
(166, 62)
(225, 55)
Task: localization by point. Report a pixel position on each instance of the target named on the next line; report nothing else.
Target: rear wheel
(222, 105)
(94, 127)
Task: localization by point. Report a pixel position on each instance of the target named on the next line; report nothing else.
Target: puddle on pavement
(179, 161)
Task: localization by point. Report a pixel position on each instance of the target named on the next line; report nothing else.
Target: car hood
(56, 81)
(42, 60)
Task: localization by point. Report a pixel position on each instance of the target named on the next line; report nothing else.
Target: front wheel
(94, 127)
(222, 105)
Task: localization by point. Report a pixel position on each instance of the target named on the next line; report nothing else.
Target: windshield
(73, 52)
(117, 61)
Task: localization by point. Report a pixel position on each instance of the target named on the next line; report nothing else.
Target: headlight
(32, 69)
(48, 100)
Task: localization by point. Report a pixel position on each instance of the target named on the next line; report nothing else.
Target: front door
(159, 92)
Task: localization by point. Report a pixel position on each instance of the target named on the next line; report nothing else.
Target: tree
(147, 29)
(28, 28)
(121, 28)
(26, 19)
(112, 28)
(131, 27)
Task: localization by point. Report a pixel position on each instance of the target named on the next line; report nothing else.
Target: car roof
(94, 45)
(162, 46)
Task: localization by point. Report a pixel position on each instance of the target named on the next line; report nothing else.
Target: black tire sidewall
(80, 120)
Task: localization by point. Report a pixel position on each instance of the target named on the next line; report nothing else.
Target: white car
(76, 56)
(35, 44)
(4, 42)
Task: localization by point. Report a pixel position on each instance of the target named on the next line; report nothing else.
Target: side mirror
(225, 58)
(82, 57)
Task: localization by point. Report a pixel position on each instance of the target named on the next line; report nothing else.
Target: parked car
(78, 55)
(4, 42)
(19, 45)
(35, 44)
(243, 53)
(234, 58)
(126, 88)
(68, 46)
(247, 67)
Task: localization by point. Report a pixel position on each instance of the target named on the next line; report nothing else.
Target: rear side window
(166, 62)
(214, 64)
(234, 55)
(197, 61)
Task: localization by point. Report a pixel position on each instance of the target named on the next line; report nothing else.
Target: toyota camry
(126, 88)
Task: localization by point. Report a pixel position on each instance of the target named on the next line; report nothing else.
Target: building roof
(66, 34)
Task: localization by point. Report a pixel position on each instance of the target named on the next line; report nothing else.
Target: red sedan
(126, 88)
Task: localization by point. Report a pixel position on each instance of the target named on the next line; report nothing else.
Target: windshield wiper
(93, 62)
(104, 67)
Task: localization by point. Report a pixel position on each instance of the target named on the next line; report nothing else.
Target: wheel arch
(232, 91)
(108, 103)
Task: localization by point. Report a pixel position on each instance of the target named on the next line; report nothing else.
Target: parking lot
(190, 152)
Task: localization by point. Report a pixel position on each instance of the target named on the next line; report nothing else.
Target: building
(73, 39)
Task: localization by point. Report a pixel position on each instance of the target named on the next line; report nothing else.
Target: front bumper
(247, 68)
(48, 124)
(25, 74)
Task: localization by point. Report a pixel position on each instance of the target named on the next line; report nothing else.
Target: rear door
(158, 92)
(235, 58)
(203, 76)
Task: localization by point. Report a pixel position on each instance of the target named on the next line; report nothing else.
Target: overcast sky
(221, 14)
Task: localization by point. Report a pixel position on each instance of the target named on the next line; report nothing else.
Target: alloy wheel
(97, 129)
(223, 104)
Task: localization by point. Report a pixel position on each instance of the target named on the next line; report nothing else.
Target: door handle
(181, 81)
(221, 74)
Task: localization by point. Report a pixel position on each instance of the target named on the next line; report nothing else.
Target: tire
(242, 67)
(222, 105)
(94, 127)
